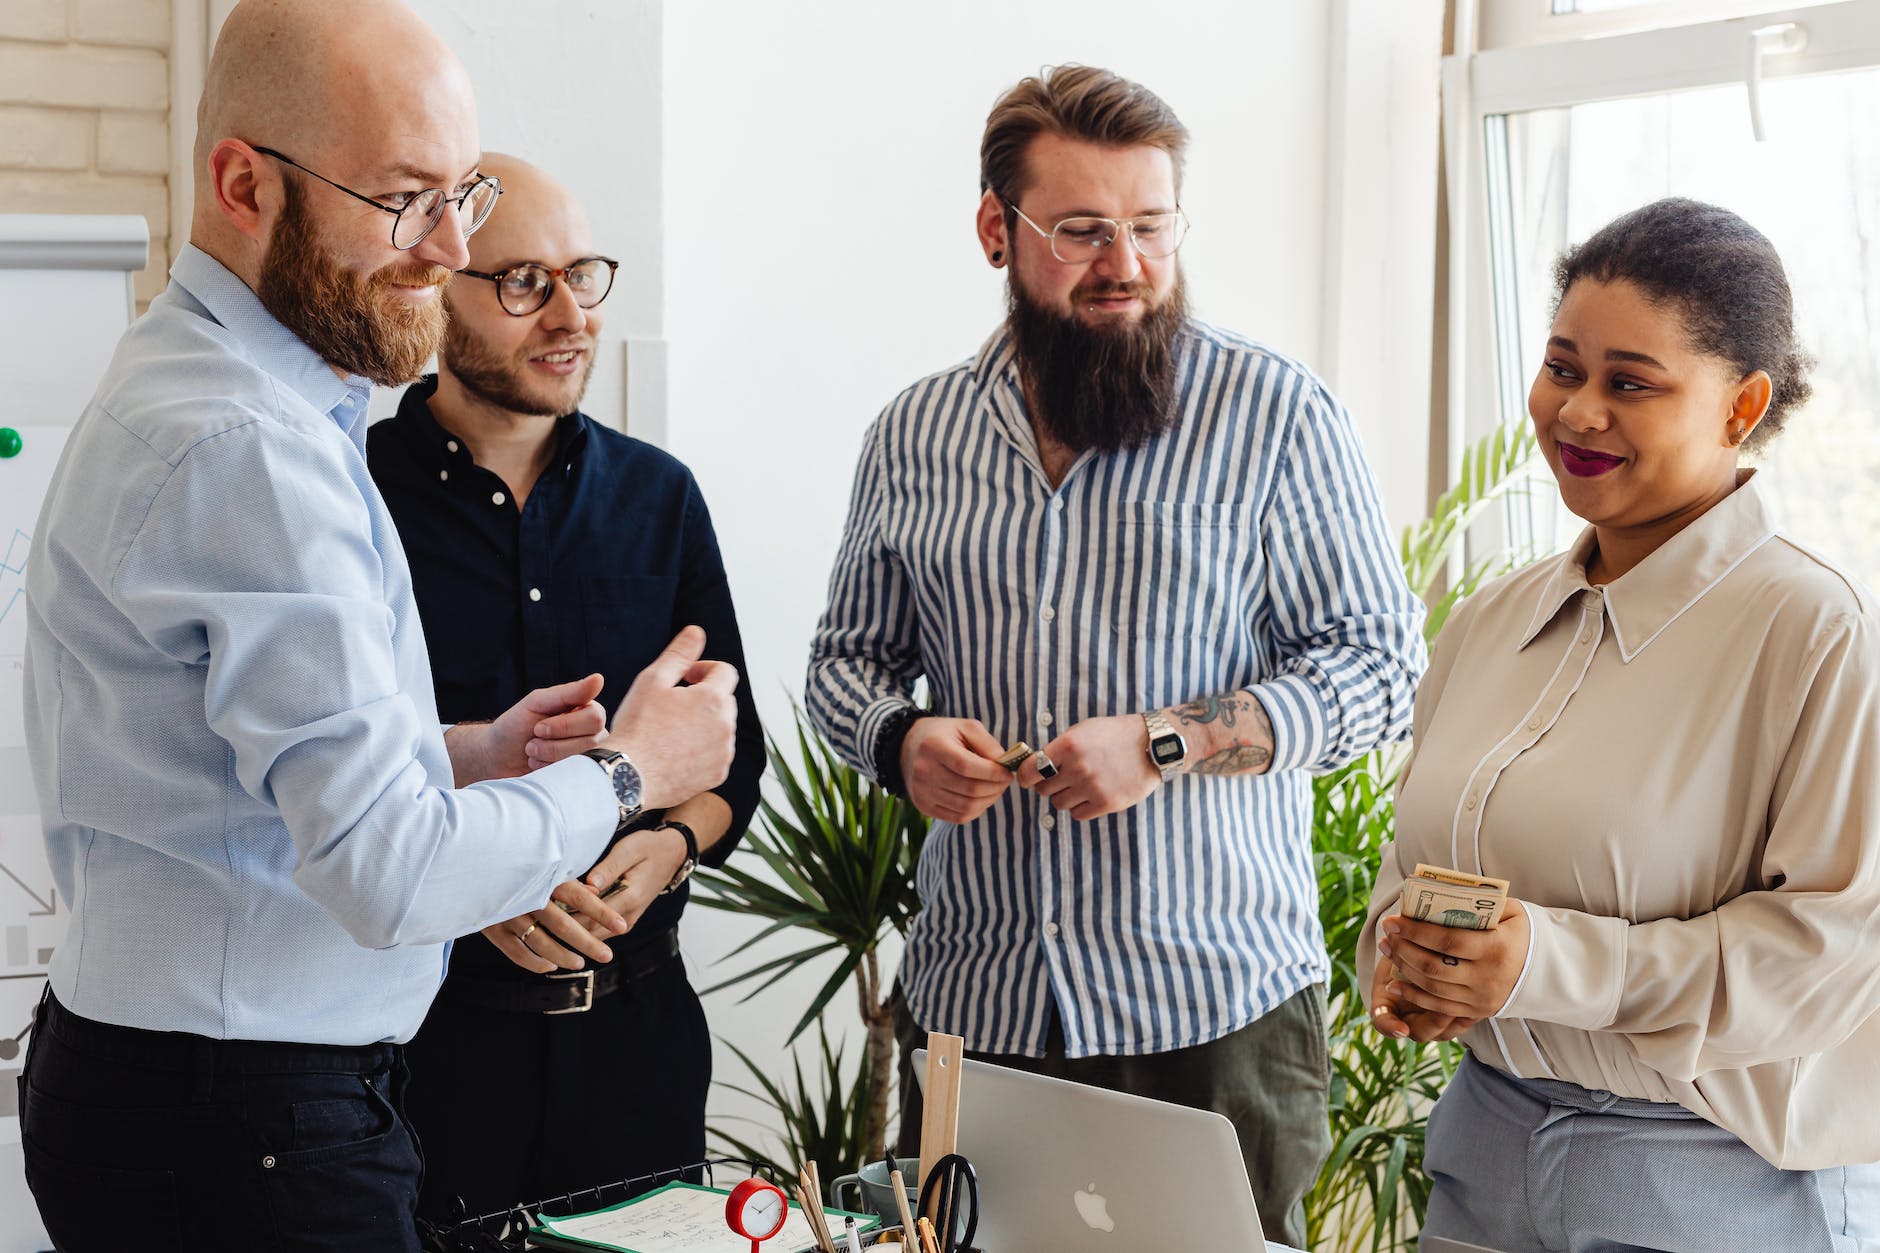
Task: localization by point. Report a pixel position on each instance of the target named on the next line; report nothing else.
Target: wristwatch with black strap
(629, 787)
(690, 864)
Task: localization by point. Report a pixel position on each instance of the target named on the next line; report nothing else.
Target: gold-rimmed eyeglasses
(1152, 235)
(522, 289)
(418, 212)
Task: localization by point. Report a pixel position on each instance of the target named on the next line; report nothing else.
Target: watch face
(1166, 750)
(628, 787)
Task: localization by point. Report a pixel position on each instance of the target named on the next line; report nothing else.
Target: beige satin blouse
(1680, 774)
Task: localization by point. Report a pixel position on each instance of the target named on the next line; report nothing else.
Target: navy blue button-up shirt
(611, 554)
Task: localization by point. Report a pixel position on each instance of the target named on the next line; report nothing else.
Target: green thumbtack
(10, 442)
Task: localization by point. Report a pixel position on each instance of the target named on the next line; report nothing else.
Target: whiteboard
(65, 297)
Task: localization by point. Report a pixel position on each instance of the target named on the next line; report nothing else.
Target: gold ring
(524, 935)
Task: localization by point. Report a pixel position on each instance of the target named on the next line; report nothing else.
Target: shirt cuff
(1300, 731)
(873, 722)
(589, 811)
(1575, 971)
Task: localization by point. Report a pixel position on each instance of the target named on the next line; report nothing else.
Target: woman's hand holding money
(1434, 982)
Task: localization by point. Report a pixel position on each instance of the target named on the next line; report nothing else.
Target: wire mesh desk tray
(505, 1231)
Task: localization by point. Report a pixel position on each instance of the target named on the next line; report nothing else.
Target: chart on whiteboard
(32, 915)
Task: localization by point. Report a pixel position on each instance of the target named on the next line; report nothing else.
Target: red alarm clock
(756, 1210)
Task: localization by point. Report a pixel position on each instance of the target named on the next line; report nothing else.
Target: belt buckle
(587, 991)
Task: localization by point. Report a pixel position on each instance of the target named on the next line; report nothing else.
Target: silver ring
(524, 935)
(1451, 961)
(1047, 769)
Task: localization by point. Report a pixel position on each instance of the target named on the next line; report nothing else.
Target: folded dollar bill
(1450, 898)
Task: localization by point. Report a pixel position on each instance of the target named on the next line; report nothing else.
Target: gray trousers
(1526, 1165)
(1269, 1079)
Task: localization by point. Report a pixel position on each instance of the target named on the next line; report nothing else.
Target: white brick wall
(84, 114)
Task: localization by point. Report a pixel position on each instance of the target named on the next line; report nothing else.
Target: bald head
(540, 219)
(360, 90)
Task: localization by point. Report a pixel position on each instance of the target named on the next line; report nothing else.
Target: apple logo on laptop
(1093, 1209)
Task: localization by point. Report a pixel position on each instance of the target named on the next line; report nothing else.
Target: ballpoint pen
(849, 1237)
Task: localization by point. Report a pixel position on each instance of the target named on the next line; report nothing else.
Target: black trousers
(1271, 1079)
(162, 1141)
(514, 1107)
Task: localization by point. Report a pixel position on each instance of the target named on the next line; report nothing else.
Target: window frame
(1486, 364)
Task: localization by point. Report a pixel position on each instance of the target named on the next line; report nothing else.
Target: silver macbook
(1065, 1168)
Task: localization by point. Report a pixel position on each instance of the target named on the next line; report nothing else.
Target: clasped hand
(1434, 982)
(574, 927)
(952, 772)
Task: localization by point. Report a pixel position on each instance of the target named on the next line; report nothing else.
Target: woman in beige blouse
(1668, 741)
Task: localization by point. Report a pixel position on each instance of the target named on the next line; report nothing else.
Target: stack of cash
(1450, 898)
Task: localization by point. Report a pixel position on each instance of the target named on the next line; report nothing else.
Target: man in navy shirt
(543, 543)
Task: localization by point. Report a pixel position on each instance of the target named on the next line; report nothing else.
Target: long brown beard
(503, 381)
(348, 318)
(1108, 386)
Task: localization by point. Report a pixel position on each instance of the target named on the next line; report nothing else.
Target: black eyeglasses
(522, 289)
(421, 210)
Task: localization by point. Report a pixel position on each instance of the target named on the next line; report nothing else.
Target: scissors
(951, 1176)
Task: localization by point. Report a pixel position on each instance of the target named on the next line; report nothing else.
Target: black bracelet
(888, 749)
(691, 854)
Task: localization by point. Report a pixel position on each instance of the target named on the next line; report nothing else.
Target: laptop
(1437, 1244)
(1066, 1168)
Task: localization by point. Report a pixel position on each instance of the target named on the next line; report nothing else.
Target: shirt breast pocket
(1190, 565)
(628, 619)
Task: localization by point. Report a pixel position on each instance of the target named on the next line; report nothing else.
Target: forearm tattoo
(1246, 754)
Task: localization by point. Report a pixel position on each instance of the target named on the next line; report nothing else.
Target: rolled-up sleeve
(256, 563)
(866, 652)
(1349, 630)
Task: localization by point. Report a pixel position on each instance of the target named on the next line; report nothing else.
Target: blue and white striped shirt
(1246, 549)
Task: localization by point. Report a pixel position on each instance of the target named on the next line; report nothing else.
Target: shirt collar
(274, 348)
(430, 442)
(1652, 595)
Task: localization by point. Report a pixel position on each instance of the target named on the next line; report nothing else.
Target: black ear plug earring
(998, 255)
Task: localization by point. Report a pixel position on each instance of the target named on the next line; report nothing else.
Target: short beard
(350, 319)
(1106, 387)
(502, 382)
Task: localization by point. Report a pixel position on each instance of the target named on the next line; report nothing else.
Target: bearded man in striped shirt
(1154, 548)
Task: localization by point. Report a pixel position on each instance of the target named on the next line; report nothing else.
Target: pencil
(900, 1197)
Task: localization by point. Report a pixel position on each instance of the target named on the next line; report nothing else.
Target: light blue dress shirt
(244, 786)
(1247, 549)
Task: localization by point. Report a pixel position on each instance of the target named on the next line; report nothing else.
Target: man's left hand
(647, 859)
(1454, 971)
(1103, 767)
(545, 726)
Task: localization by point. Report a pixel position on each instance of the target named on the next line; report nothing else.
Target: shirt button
(535, 593)
(1534, 724)
(443, 476)
(1047, 613)
(498, 498)
(451, 444)
(1047, 822)
(267, 1163)
(1051, 929)
(1044, 717)
(1469, 801)
(1057, 504)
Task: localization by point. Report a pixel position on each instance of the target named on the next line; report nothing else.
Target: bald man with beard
(266, 836)
(545, 545)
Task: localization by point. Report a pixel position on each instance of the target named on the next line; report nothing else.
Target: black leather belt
(565, 991)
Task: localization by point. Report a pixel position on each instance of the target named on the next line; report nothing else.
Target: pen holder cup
(868, 1191)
